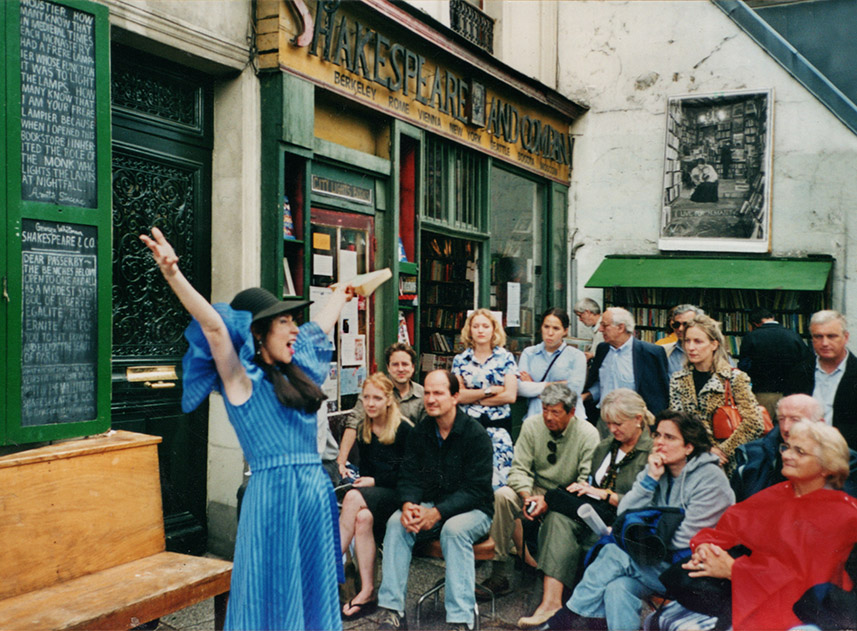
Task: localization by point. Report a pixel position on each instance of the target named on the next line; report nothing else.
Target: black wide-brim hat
(263, 304)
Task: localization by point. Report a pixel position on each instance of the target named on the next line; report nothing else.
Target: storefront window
(454, 185)
(517, 226)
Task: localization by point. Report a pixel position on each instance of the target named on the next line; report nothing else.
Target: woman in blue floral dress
(489, 384)
(287, 557)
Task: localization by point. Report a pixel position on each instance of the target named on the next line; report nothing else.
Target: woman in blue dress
(287, 558)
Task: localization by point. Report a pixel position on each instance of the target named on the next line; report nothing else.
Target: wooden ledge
(109, 441)
(121, 597)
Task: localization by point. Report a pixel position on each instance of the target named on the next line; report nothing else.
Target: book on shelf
(288, 224)
(431, 361)
(403, 257)
(288, 280)
(403, 336)
(407, 286)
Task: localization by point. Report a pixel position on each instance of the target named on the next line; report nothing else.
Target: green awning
(712, 273)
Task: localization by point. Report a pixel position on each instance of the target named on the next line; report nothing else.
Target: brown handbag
(727, 418)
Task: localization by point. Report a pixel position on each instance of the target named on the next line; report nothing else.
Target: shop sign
(342, 190)
(332, 48)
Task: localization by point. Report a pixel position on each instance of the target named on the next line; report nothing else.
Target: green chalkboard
(56, 316)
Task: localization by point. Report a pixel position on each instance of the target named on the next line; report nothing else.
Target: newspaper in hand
(365, 284)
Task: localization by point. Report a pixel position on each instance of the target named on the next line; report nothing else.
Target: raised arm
(329, 314)
(236, 384)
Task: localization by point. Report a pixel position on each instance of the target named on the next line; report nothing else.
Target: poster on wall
(717, 172)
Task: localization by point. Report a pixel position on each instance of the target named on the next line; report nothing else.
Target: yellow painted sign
(328, 45)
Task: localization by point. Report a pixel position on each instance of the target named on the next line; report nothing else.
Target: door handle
(153, 376)
(159, 385)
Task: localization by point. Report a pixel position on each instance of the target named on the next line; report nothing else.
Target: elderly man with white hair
(624, 361)
(759, 463)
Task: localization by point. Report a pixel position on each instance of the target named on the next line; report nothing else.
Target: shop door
(162, 177)
(343, 245)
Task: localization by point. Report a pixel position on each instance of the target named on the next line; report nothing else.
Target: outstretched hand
(163, 253)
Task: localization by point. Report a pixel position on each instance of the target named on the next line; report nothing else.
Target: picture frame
(717, 172)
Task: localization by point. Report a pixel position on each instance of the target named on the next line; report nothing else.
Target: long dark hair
(291, 384)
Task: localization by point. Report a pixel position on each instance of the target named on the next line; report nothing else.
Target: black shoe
(563, 620)
(458, 626)
(392, 621)
(498, 585)
(566, 620)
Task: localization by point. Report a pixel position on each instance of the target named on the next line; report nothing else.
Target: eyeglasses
(677, 325)
(798, 450)
(552, 454)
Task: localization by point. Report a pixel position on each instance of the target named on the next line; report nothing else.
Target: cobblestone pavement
(521, 601)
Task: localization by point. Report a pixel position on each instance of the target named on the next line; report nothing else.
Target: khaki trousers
(508, 506)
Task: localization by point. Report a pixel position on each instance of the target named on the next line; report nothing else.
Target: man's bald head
(795, 407)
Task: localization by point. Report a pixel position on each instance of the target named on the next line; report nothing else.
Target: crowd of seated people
(645, 458)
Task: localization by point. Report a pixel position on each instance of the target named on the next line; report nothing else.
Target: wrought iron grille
(472, 24)
(468, 174)
(148, 320)
(454, 176)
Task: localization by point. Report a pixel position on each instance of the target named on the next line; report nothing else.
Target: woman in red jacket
(799, 533)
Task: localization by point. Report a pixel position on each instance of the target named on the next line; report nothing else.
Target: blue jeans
(457, 536)
(613, 587)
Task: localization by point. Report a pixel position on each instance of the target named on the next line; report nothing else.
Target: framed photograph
(477, 104)
(717, 172)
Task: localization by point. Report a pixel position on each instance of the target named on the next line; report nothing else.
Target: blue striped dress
(287, 556)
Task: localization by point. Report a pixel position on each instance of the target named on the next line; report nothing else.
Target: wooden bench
(82, 531)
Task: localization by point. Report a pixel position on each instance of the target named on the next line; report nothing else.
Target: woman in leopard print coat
(700, 387)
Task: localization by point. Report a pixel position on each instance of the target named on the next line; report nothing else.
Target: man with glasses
(588, 312)
(626, 362)
(553, 449)
(682, 314)
(759, 463)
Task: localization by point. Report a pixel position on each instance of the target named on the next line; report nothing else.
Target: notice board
(56, 313)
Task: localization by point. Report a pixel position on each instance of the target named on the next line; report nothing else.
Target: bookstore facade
(391, 142)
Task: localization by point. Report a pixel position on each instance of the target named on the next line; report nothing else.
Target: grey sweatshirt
(701, 489)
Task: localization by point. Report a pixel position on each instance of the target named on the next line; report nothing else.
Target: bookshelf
(292, 202)
(673, 165)
(731, 307)
(448, 281)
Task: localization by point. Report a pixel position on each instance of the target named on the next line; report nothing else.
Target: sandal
(363, 609)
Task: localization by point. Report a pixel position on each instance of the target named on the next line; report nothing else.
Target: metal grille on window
(468, 189)
(454, 176)
(436, 204)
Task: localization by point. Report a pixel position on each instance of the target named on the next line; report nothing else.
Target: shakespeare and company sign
(327, 44)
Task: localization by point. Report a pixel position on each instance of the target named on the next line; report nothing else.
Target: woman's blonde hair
(624, 404)
(832, 450)
(497, 339)
(394, 417)
(711, 328)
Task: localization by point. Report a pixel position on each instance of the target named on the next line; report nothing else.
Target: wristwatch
(486, 391)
